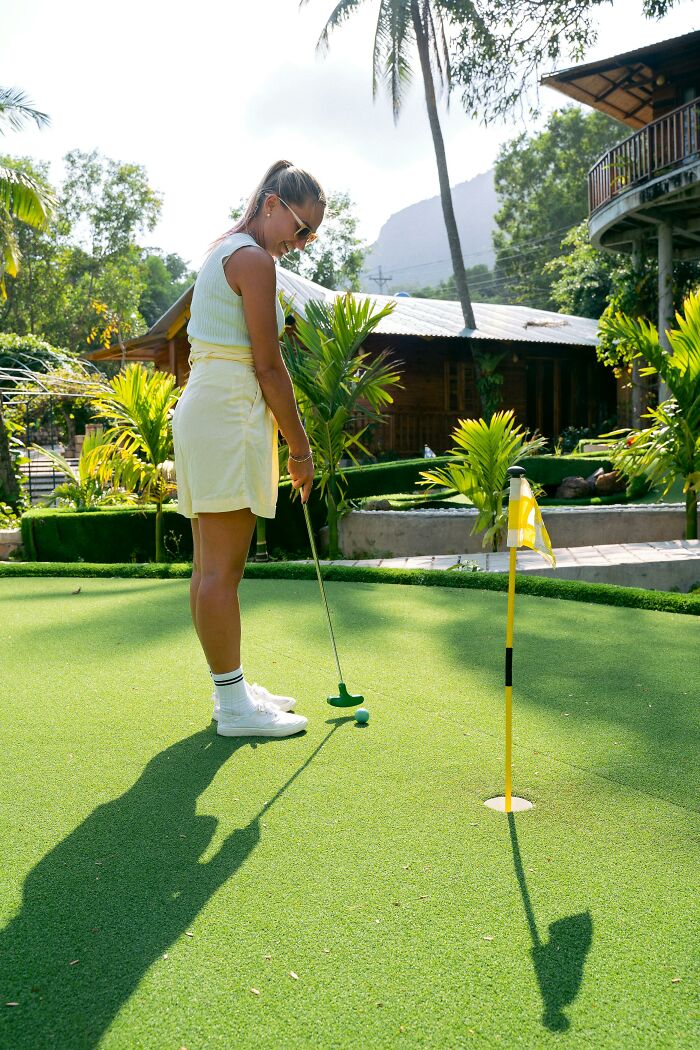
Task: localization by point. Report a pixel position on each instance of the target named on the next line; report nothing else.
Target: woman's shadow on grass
(102, 906)
(559, 961)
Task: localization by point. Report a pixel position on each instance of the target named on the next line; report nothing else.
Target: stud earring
(268, 215)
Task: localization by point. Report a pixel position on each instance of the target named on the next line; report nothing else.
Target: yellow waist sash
(213, 352)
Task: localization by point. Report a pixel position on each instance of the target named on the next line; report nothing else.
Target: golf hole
(517, 805)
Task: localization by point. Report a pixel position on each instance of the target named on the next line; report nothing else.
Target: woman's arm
(250, 273)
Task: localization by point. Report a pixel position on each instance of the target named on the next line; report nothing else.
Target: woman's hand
(302, 475)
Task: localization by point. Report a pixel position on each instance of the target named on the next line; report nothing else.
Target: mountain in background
(412, 245)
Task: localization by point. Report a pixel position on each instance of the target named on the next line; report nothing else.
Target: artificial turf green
(567, 590)
(154, 874)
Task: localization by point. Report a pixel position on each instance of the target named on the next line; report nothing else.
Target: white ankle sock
(231, 692)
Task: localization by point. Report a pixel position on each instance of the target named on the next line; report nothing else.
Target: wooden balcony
(662, 146)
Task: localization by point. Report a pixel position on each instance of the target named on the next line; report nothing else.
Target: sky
(207, 95)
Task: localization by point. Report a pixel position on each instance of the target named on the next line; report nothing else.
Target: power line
(523, 250)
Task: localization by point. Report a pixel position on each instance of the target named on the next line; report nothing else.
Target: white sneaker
(260, 695)
(264, 720)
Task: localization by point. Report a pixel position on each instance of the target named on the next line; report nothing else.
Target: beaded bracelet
(301, 459)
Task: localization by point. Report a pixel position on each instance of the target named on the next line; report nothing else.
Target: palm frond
(137, 408)
(10, 255)
(16, 110)
(391, 55)
(59, 463)
(483, 452)
(339, 387)
(340, 14)
(434, 24)
(25, 198)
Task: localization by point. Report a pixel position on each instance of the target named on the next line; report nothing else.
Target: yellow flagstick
(509, 679)
(515, 474)
(525, 529)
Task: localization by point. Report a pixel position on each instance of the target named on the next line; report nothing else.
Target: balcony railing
(660, 146)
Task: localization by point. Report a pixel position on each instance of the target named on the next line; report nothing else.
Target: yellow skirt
(225, 436)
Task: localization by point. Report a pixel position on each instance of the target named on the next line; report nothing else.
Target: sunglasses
(304, 231)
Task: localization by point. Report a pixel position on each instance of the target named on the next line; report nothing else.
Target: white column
(636, 398)
(665, 293)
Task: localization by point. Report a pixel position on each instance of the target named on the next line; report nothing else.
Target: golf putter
(344, 698)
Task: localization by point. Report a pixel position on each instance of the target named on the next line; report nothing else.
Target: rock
(608, 484)
(574, 488)
(377, 504)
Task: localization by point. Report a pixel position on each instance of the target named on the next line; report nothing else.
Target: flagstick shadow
(102, 907)
(559, 961)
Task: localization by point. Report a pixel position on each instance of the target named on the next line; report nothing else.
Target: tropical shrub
(478, 467)
(82, 489)
(136, 449)
(338, 385)
(9, 519)
(670, 446)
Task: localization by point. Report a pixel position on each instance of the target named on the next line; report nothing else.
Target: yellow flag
(525, 525)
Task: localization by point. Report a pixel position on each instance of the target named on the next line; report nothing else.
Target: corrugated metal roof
(426, 318)
(442, 318)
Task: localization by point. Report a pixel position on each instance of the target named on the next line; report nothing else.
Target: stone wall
(404, 533)
(9, 540)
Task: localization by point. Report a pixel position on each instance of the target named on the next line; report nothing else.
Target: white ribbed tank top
(216, 312)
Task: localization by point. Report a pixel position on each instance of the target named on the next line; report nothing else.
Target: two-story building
(644, 194)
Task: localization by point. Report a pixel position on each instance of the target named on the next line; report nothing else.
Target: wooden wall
(550, 388)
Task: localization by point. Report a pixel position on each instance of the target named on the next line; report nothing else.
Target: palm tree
(135, 452)
(479, 467)
(400, 23)
(22, 197)
(336, 383)
(670, 447)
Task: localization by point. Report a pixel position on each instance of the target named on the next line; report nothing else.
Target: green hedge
(126, 534)
(122, 534)
(540, 586)
(378, 479)
(287, 532)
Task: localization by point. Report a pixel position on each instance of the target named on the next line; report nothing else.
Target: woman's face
(282, 221)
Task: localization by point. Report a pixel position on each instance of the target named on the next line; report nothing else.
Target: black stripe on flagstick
(509, 666)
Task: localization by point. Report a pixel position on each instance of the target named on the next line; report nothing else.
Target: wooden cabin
(551, 376)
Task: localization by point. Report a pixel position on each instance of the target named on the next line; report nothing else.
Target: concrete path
(660, 565)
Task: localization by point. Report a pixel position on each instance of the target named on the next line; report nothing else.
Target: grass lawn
(154, 874)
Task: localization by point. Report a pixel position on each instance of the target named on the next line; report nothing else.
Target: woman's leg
(196, 574)
(224, 542)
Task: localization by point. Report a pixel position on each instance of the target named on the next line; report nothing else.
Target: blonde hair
(285, 180)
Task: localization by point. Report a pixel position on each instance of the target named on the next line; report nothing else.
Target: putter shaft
(323, 591)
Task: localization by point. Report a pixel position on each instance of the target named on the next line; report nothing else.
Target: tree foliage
(670, 446)
(504, 46)
(166, 277)
(541, 184)
(83, 278)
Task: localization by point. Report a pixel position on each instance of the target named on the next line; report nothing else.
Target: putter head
(345, 699)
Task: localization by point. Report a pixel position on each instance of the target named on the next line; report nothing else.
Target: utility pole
(381, 280)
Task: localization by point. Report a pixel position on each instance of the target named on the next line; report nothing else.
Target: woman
(225, 430)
